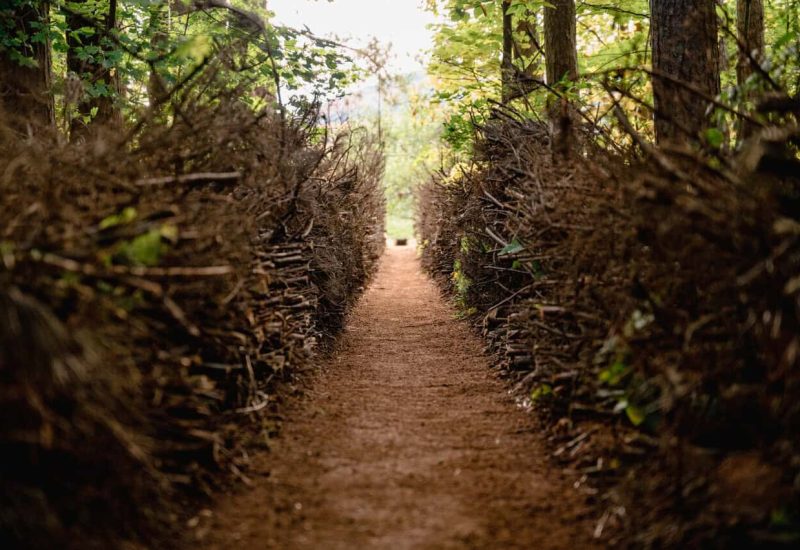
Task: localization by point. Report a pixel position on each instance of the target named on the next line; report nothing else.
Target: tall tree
(507, 63)
(159, 37)
(750, 32)
(90, 25)
(25, 65)
(561, 61)
(685, 66)
(560, 47)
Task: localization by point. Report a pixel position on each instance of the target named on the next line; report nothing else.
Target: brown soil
(405, 440)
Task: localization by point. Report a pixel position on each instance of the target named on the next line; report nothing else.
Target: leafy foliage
(156, 45)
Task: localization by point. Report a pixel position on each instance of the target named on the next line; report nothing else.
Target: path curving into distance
(406, 440)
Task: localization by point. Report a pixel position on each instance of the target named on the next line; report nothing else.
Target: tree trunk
(507, 63)
(25, 93)
(685, 51)
(561, 61)
(750, 32)
(159, 36)
(93, 109)
(560, 43)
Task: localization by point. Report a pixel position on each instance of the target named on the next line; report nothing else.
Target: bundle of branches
(462, 218)
(156, 288)
(346, 210)
(650, 311)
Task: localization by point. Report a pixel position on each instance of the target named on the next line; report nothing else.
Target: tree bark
(159, 36)
(508, 76)
(685, 51)
(93, 110)
(560, 47)
(25, 94)
(561, 61)
(750, 32)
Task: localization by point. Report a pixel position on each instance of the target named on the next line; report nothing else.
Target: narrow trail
(405, 440)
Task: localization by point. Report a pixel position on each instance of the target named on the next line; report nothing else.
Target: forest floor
(405, 439)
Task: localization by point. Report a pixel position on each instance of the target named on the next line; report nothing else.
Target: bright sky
(403, 23)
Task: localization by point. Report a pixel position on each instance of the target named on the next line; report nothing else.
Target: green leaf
(614, 374)
(715, 137)
(636, 415)
(144, 250)
(784, 39)
(127, 215)
(512, 248)
(196, 48)
(169, 232)
(540, 392)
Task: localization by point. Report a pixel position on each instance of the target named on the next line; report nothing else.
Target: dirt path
(406, 440)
